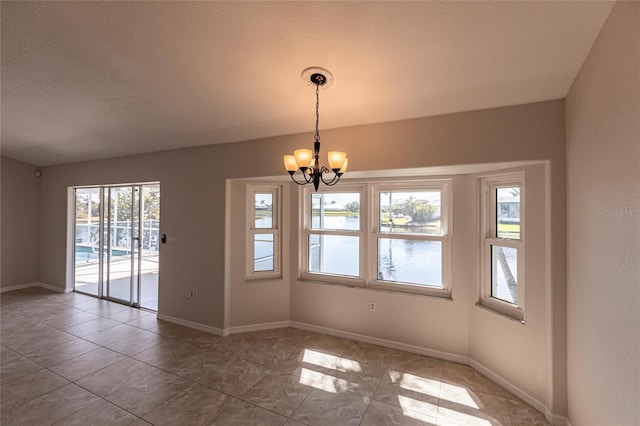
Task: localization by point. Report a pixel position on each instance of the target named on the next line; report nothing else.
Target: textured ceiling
(89, 80)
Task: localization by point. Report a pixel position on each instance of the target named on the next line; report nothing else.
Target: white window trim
(488, 186)
(275, 230)
(306, 231)
(444, 187)
(369, 233)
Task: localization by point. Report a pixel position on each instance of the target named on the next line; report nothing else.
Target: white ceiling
(90, 80)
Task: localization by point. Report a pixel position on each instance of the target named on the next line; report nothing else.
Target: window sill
(442, 296)
(254, 278)
(512, 314)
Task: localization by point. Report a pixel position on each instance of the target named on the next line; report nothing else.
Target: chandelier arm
(306, 180)
(334, 179)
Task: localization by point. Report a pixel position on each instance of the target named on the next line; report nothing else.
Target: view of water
(399, 260)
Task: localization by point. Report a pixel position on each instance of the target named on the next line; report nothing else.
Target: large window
(410, 237)
(385, 235)
(333, 235)
(263, 221)
(503, 244)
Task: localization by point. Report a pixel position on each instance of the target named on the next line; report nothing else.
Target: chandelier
(307, 162)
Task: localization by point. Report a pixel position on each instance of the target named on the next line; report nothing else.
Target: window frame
(489, 238)
(306, 231)
(444, 187)
(369, 233)
(252, 231)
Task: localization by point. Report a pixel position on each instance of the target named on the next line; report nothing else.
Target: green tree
(352, 206)
(423, 212)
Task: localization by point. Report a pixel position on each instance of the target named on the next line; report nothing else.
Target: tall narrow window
(503, 244)
(333, 235)
(263, 220)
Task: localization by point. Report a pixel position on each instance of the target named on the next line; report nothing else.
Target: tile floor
(75, 360)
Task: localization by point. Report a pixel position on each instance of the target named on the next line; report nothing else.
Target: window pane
(263, 211)
(508, 212)
(504, 274)
(334, 254)
(263, 248)
(340, 211)
(410, 261)
(414, 212)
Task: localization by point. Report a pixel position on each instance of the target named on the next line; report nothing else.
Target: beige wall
(603, 234)
(426, 322)
(253, 302)
(193, 184)
(20, 224)
(519, 352)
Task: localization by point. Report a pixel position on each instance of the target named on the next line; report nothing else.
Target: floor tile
(197, 366)
(166, 354)
(86, 364)
(17, 368)
(417, 365)
(279, 392)
(59, 353)
(381, 414)
(474, 408)
(234, 377)
(137, 343)
(368, 354)
(268, 354)
(73, 318)
(108, 380)
(523, 414)
(240, 413)
(39, 336)
(29, 387)
(91, 327)
(112, 335)
(102, 307)
(147, 322)
(465, 376)
(7, 354)
(196, 405)
(418, 397)
(354, 376)
(170, 374)
(49, 408)
(127, 315)
(331, 409)
(147, 393)
(99, 413)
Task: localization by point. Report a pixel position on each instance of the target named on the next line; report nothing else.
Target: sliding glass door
(87, 235)
(123, 240)
(116, 243)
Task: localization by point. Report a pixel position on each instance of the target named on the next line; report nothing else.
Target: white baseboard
(556, 419)
(35, 284)
(191, 324)
(552, 418)
(381, 342)
(257, 327)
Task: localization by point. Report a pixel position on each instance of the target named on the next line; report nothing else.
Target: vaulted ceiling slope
(91, 80)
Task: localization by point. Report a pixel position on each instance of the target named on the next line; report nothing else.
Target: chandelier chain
(316, 137)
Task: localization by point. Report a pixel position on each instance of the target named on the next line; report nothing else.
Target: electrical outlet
(372, 306)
